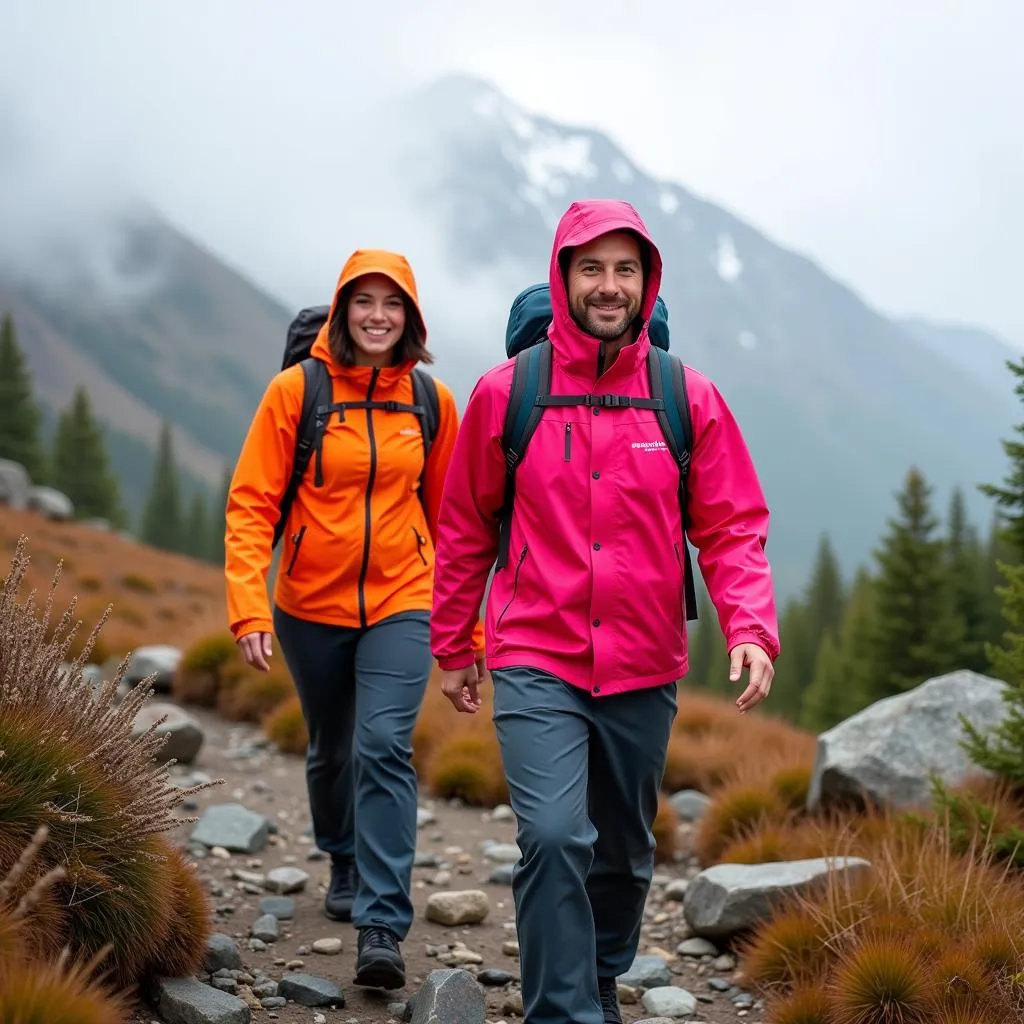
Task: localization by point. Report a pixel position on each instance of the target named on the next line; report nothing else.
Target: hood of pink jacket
(584, 221)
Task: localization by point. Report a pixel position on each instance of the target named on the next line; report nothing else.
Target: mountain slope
(164, 329)
(835, 399)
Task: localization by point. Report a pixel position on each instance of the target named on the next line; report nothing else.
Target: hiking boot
(608, 990)
(379, 962)
(342, 890)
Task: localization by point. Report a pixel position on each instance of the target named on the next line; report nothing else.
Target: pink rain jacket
(593, 588)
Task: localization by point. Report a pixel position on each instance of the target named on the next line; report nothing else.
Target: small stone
(469, 906)
(221, 952)
(281, 907)
(308, 990)
(669, 1001)
(265, 928)
(697, 947)
(493, 977)
(328, 947)
(186, 1000)
(676, 890)
(273, 1002)
(285, 880)
(257, 945)
(295, 965)
(452, 996)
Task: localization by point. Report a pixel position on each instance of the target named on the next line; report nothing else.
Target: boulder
(884, 755)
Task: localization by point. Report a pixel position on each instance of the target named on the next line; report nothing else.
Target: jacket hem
(348, 621)
(593, 684)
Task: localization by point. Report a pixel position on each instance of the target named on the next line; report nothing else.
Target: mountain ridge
(835, 398)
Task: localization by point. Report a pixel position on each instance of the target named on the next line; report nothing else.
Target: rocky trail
(274, 949)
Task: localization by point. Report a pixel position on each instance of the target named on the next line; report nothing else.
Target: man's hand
(255, 648)
(462, 687)
(761, 673)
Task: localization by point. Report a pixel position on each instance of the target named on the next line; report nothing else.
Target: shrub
(468, 766)
(181, 953)
(139, 583)
(804, 1004)
(788, 950)
(71, 763)
(32, 988)
(701, 762)
(665, 830)
(252, 694)
(738, 810)
(881, 980)
(285, 726)
(203, 668)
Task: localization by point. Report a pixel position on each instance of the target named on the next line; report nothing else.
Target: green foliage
(1009, 496)
(72, 764)
(973, 825)
(81, 466)
(806, 624)
(1002, 750)
(967, 562)
(218, 521)
(709, 663)
(20, 416)
(162, 518)
(916, 632)
(843, 672)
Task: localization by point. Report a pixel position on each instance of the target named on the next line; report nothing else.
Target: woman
(353, 593)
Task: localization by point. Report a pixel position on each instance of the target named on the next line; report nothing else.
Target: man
(586, 622)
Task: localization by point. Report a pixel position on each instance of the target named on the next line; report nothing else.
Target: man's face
(606, 284)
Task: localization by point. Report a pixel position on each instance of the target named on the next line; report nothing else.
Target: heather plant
(70, 763)
(34, 987)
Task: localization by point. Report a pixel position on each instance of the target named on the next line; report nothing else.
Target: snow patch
(668, 201)
(727, 262)
(747, 340)
(622, 170)
(521, 125)
(487, 105)
(549, 161)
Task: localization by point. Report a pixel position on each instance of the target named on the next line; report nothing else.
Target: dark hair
(411, 345)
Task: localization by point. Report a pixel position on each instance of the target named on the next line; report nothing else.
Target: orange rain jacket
(360, 548)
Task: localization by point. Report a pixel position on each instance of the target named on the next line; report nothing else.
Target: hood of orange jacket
(362, 262)
(358, 544)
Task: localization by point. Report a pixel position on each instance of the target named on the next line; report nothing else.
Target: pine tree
(708, 660)
(217, 524)
(162, 519)
(967, 567)
(20, 417)
(805, 625)
(196, 539)
(917, 632)
(1002, 750)
(81, 466)
(1010, 496)
(843, 673)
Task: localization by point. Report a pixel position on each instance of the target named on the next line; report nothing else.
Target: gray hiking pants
(583, 776)
(361, 690)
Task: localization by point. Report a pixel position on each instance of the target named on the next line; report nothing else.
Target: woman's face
(376, 319)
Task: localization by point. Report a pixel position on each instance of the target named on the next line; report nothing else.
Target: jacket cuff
(456, 661)
(754, 636)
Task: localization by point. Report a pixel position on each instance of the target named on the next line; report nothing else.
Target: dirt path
(274, 785)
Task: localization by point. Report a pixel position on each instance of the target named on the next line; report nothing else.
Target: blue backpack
(526, 341)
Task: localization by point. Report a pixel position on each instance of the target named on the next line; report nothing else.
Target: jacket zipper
(367, 520)
(297, 541)
(420, 541)
(682, 598)
(515, 586)
(568, 442)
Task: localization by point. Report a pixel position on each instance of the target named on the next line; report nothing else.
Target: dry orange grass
(286, 727)
(928, 934)
(157, 597)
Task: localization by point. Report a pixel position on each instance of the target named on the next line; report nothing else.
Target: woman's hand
(256, 650)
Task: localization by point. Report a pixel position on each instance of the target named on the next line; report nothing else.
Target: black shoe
(342, 890)
(379, 962)
(608, 990)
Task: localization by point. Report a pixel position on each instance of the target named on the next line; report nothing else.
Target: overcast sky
(883, 137)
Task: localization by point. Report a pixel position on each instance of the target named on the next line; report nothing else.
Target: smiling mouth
(377, 332)
(603, 307)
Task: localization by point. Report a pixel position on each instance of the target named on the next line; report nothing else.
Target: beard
(596, 324)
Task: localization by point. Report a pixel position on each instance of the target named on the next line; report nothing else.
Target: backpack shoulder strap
(531, 381)
(668, 382)
(316, 398)
(424, 396)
